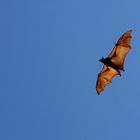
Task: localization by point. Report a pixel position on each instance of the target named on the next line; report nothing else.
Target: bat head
(102, 59)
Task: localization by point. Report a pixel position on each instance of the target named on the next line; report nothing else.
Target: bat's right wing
(121, 49)
(105, 77)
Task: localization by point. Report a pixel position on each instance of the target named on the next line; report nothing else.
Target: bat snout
(102, 59)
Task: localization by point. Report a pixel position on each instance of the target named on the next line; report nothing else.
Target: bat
(114, 63)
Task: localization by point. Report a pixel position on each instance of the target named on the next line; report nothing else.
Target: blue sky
(49, 52)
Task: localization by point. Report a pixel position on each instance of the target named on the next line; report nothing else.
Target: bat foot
(120, 74)
(122, 69)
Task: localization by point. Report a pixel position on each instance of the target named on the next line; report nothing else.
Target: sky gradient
(49, 52)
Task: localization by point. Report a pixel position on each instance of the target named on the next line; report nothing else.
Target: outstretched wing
(121, 49)
(105, 77)
(117, 56)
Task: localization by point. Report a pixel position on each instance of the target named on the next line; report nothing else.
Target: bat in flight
(114, 63)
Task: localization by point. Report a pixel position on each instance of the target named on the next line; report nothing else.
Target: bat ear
(101, 59)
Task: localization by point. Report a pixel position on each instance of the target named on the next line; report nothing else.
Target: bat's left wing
(105, 77)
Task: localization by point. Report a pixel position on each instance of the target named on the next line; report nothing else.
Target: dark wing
(121, 49)
(105, 77)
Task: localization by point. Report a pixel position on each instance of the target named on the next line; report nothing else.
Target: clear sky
(49, 52)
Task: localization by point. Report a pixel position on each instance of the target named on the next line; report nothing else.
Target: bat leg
(119, 73)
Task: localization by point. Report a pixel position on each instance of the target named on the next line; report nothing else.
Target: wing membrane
(105, 77)
(121, 49)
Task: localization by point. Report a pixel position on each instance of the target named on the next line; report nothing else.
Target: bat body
(107, 61)
(114, 63)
